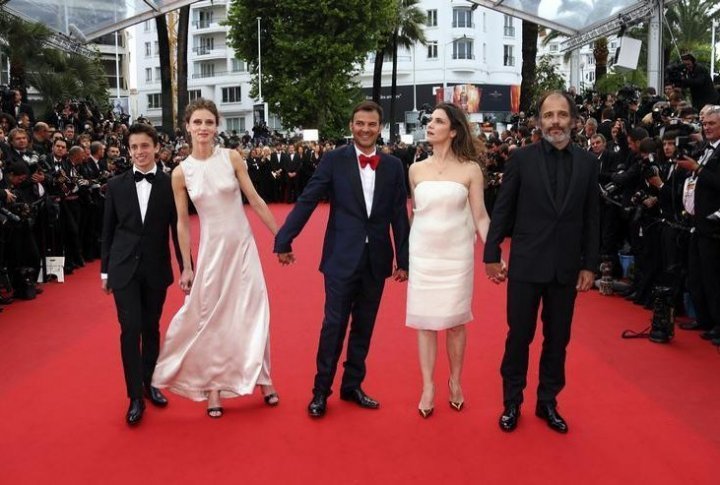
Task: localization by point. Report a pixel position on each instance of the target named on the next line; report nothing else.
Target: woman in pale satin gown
(448, 212)
(218, 344)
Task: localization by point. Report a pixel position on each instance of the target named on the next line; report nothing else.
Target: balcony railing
(468, 57)
(463, 25)
(509, 61)
(204, 50)
(509, 31)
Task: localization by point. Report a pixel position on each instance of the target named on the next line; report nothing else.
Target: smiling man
(548, 203)
(367, 198)
(139, 217)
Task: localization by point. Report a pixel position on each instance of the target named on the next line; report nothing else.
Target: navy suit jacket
(349, 226)
(549, 241)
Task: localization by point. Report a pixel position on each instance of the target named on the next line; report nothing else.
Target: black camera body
(675, 73)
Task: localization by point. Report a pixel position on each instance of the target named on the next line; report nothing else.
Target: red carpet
(638, 412)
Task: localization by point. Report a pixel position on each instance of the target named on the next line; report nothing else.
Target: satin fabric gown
(219, 339)
(442, 239)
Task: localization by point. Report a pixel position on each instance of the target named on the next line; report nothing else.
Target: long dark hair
(463, 146)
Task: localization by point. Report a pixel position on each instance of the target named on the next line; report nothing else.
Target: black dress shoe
(360, 398)
(509, 418)
(549, 413)
(156, 397)
(318, 405)
(711, 334)
(135, 411)
(694, 325)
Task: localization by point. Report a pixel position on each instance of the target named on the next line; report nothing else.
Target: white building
(213, 71)
(587, 60)
(467, 45)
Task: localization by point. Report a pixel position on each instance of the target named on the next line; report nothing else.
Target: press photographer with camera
(702, 199)
(697, 79)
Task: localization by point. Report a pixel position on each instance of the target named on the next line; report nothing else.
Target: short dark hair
(142, 128)
(647, 145)
(608, 114)
(638, 134)
(688, 56)
(571, 102)
(59, 140)
(368, 106)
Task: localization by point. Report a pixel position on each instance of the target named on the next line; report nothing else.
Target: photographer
(702, 199)
(23, 256)
(698, 80)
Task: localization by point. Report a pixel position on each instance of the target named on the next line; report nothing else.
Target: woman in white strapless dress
(218, 344)
(448, 212)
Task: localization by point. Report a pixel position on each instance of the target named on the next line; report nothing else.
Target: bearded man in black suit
(548, 203)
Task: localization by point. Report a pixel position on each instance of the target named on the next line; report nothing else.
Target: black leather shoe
(694, 325)
(318, 405)
(711, 334)
(360, 398)
(156, 397)
(549, 413)
(135, 411)
(509, 418)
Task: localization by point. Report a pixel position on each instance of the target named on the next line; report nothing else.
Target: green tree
(546, 78)
(57, 75)
(407, 29)
(314, 48)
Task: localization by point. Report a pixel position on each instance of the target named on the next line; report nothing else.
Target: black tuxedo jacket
(349, 226)
(707, 196)
(549, 241)
(127, 242)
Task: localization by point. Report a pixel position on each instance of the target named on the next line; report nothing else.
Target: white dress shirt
(367, 178)
(143, 191)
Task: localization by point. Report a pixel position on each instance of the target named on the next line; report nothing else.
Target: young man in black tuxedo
(139, 217)
(548, 203)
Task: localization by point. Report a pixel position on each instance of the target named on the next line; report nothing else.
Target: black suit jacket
(127, 242)
(549, 241)
(338, 178)
(707, 195)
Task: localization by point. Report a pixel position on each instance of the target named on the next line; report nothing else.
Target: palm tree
(165, 74)
(529, 60)
(600, 53)
(407, 29)
(690, 23)
(21, 53)
(182, 71)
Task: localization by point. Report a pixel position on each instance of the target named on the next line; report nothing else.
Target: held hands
(585, 280)
(496, 272)
(186, 280)
(400, 275)
(286, 258)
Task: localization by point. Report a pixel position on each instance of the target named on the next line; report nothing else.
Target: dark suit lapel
(381, 176)
(353, 169)
(129, 182)
(544, 176)
(158, 186)
(574, 185)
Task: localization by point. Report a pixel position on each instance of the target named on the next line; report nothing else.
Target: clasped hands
(496, 272)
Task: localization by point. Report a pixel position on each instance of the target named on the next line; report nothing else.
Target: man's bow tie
(139, 176)
(372, 161)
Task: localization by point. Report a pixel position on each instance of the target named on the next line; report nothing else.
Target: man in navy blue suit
(368, 198)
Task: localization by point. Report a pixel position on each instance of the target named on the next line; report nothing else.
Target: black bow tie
(139, 177)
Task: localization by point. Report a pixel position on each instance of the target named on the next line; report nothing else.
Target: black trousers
(523, 302)
(139, 307)
(358, 297)
(704, 279)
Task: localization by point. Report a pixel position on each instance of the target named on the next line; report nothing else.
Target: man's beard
(565, 136)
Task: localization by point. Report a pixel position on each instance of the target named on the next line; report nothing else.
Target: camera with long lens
(650, 168)
(661, 112)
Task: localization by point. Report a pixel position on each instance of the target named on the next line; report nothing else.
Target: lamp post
(259, 62)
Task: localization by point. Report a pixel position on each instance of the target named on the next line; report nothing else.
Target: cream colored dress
(442, 237)
(219, 339)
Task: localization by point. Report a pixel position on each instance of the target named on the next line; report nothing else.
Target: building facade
(213, 71)
(472, 57)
